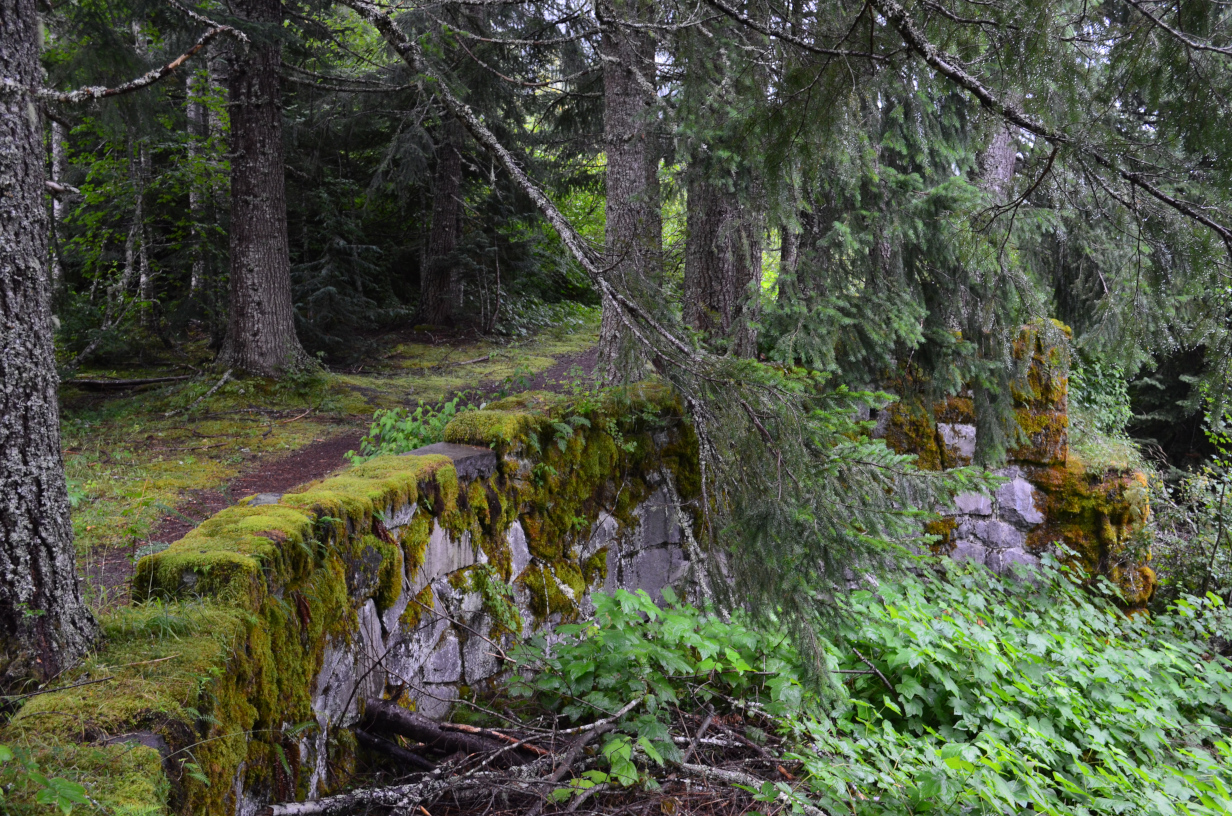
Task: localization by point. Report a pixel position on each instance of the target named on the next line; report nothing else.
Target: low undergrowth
(952, 693)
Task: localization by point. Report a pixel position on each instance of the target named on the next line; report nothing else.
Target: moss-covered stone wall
(253, 640)
(1051, 496)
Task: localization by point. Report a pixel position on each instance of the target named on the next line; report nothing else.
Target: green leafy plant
(397, 430)
(497, 597)
(21, 775)
(956, 691)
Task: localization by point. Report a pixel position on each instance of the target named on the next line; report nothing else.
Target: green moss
(594, 569)
(376, 484)
(1046, 437)
(415, 542)
(1102, 518)
(910, 430)
(493, 428)
(389, 578)
(943, 528)
(542, 583)
(228, 554)
(125, 779)
(413, 613)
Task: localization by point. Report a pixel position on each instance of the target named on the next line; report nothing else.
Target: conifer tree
(261, 336)
(45, 626)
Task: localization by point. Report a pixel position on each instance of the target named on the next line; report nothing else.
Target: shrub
(955, 692)
(397, 430)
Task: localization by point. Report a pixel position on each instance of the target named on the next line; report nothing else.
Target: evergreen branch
(95, 92)
(951, 68)
(1188, 41)
(803, 45)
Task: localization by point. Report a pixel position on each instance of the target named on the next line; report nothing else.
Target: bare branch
(92, 93)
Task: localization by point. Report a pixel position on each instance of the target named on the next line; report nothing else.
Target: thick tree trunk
(261, 327)
(722, 264)
(634, 236)
(44, 625)
(439, 286)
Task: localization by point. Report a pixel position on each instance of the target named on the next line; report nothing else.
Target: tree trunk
(145, 277)
(59, 166)
(722, 264)
(261, 326)
(44, 625)
(439, 286)
(197, 133)
(634, 236)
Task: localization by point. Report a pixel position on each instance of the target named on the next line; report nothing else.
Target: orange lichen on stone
(1101, 517)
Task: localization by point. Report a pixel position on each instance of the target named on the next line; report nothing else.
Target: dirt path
(108, 570)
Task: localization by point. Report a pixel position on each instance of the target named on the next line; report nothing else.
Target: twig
(877, 671)
(486, 732)
(57, 688)
(698, 737)
(226, 376)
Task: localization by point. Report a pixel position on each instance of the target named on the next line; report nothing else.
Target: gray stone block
(973, 504)
(998, 535)
(653, 568)
(434, 702)
(968, 551)
(396, 517)
(265, 498)
(444, 665)
(470, 461)
(658, 520)
(1009, 562)
(443, 556)
(519, 552)
(479, 657)
(959, 440)
(1016, 504)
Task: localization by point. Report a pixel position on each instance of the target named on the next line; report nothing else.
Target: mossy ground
(129, 465)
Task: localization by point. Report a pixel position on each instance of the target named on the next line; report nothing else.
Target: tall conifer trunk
(197, 133)
(722, 261)
(634, 235)
(261, 327)
(44, 625)
(439, 284)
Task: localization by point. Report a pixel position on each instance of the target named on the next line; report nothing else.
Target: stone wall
(254, 639)
(1050, 496)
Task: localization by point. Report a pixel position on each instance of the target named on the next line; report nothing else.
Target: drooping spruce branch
(951, 68)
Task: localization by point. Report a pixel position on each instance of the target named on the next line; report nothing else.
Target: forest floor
(147, 463)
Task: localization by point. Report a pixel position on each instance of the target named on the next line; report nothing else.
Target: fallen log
(393, 751)
(92, 384)
(383, 717)
(470, 787)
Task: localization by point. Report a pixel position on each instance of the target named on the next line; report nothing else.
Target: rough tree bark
(197, 133)
(59, 168)
(44, 625)
(261, 326)
(439, 290)
(721, 263)
(634, 232)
